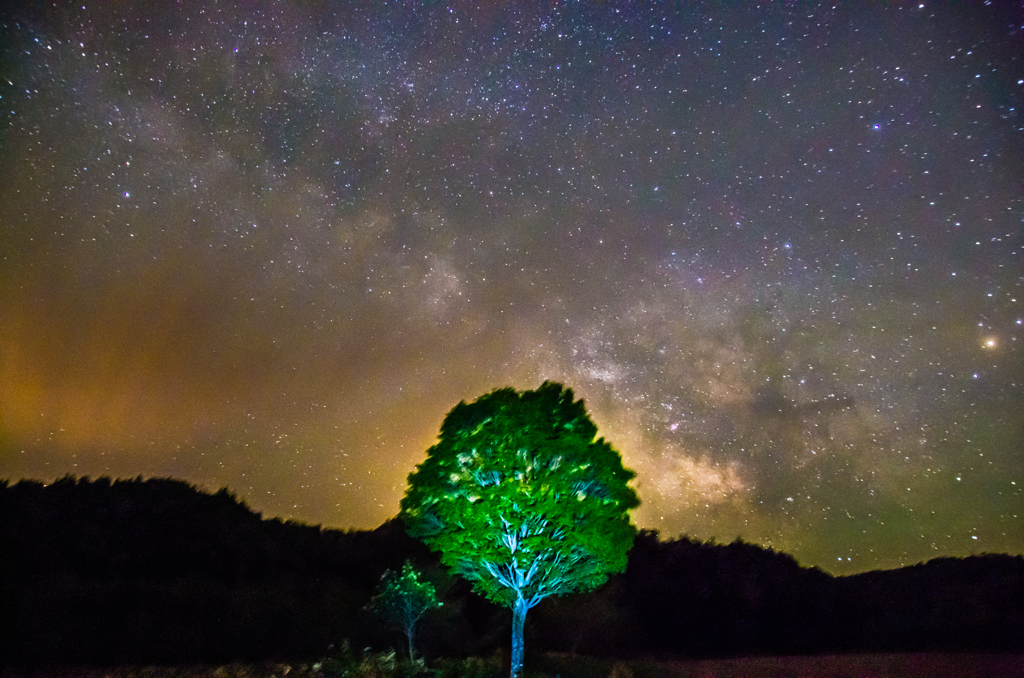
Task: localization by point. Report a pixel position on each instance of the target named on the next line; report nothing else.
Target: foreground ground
(913, 665)
(382, 665)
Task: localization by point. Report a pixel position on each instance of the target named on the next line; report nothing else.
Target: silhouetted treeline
(156, 571)
(685, 598)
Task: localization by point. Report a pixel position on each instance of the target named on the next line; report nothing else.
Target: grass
(385, 665)
(895, 665)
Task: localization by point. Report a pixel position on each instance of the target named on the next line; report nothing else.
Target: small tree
(402, 600)
(521, 500)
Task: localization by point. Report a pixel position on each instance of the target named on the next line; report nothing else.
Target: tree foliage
(520, 499)
(403, 599)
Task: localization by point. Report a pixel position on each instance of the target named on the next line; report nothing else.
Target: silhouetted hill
(687, 598)
(108, 572)
(949, 604)
(156, 570)
(161, 528)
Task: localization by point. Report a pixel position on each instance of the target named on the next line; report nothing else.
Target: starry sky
(777, 250)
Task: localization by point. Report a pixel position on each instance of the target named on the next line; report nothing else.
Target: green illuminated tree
(402, 600)
(520, 499)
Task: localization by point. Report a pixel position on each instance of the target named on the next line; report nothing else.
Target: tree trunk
(518, 621)
(412, 659)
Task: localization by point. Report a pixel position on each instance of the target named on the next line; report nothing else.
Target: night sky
(776, 249)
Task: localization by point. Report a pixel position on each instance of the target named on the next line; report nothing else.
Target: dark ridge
(101, 572)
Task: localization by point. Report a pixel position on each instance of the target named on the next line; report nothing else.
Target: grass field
(910, 665)
(914, 665)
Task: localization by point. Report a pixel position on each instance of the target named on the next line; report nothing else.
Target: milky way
(776, 249)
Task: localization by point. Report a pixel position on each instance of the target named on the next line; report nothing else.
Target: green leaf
(517, 485)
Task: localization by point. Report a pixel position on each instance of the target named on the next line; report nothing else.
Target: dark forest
(101, 572)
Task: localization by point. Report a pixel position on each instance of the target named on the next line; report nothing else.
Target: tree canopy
(402, 599)
(520, 499)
